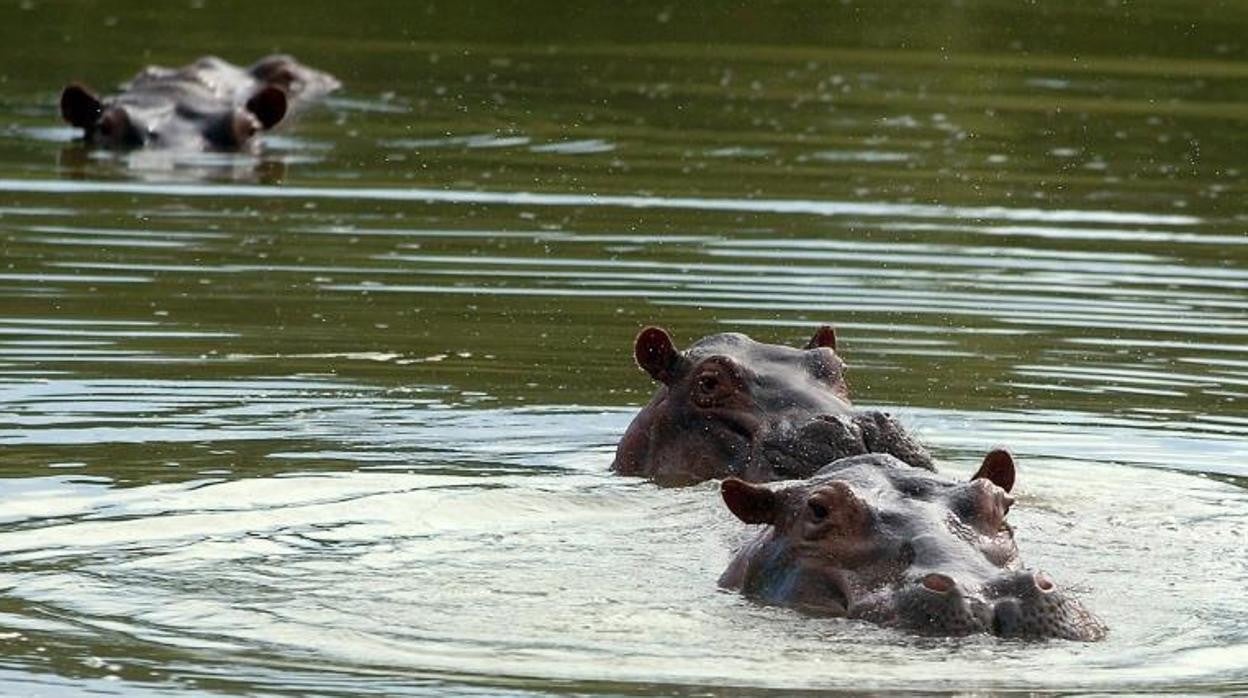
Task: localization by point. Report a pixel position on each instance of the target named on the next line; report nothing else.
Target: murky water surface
(335, 417)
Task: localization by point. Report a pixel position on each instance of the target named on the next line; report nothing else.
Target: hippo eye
(818, 510)
(715, 381)
(706, 389)
(711, 387)
(835, 510)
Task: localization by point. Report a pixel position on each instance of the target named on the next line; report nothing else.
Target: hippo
(873, 538)
(207, 105)
(731, 406)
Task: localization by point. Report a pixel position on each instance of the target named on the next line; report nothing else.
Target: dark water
(334, 418)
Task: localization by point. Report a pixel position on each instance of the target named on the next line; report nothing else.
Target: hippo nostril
(939, 583)
(1043, 582)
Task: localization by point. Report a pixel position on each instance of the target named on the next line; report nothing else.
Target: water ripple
(783, 206)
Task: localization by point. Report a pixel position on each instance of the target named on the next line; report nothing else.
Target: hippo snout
(790, 449)
(1029, 604)
(1024, 604)
(938, 605)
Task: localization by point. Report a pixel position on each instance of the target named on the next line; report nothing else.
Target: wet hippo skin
(873, 538)
(731, 406)
(208, 105)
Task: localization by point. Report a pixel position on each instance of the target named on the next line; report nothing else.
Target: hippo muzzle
(1024, 604)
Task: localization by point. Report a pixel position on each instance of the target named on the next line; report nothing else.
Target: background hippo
(729, 405)
(207, 105)
(871, 537)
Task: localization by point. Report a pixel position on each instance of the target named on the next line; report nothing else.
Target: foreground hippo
(873, 538)
(207, 105)
(729, 405)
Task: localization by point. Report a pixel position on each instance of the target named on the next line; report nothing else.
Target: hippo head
(872, 538)
(729, 405)
(183, 117)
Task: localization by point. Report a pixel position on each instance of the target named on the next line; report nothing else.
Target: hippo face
(872, 538)
(182, 118)
(207, 105)
(729, 405)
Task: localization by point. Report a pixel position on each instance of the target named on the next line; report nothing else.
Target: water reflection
(80, 163)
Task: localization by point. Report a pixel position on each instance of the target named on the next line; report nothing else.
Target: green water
(334, 418)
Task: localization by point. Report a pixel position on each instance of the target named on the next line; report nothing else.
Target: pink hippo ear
(79, 106)
(656, 354)
(269, 106)
(998, 467)
(825, 336)
(753, 504)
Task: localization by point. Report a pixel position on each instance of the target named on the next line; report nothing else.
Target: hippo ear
(79, 106)
(825, 336)
(753, 504)
(656, 354)
(998, 467)
(269, 106)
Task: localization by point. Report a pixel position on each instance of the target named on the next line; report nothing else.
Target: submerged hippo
(873, 538)
(729, 405)
(207, 105)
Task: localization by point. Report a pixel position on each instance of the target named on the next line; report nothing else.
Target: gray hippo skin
(731, 406)
(872, 538)
(207, 105)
